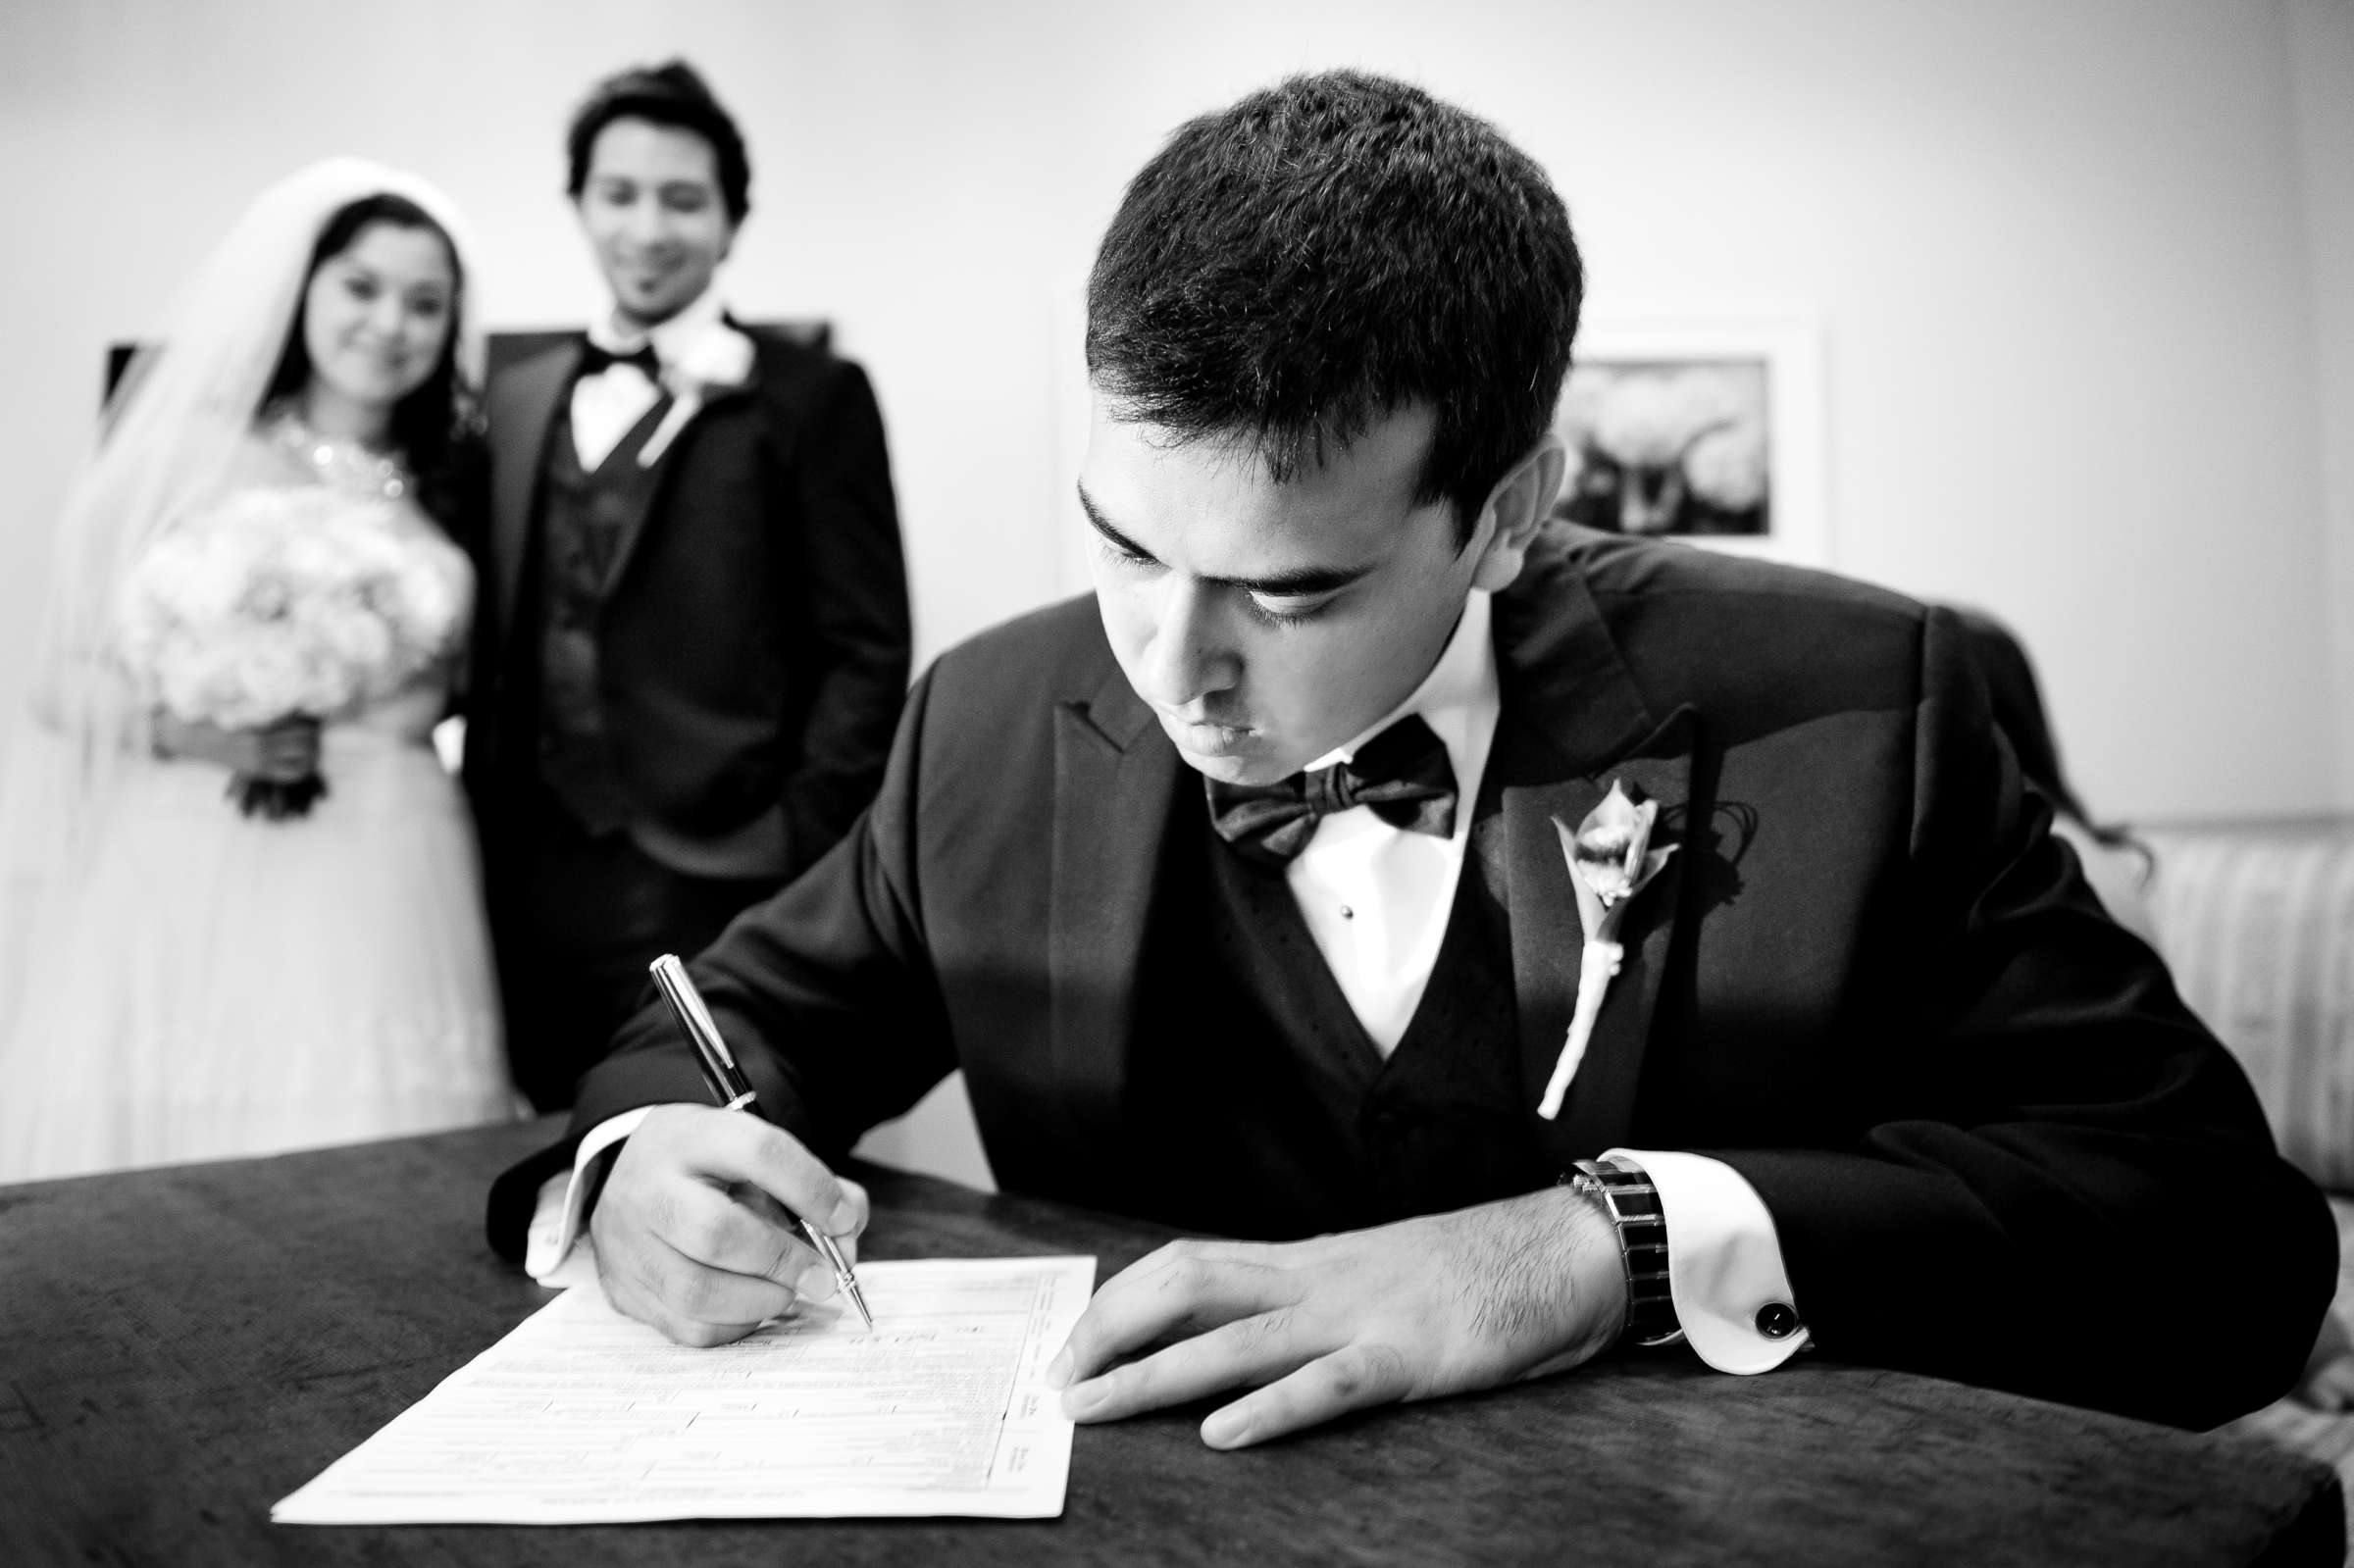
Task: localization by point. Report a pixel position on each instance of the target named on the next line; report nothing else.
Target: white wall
(2081, 266)
(2321, 63)
(2085, 268)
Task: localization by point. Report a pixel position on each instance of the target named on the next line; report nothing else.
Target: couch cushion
(2257, 921)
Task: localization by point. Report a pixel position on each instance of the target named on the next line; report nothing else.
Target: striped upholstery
(2257, 921)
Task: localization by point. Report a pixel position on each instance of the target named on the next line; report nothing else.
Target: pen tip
(858, 1300)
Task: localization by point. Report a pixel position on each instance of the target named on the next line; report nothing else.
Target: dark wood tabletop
(181, 1348)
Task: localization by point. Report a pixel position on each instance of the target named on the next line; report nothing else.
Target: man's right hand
(693, 1230)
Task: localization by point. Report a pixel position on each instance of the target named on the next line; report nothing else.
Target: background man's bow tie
(1401, 773)
(595, 360)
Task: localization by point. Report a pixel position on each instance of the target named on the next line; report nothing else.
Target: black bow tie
(595, 360)
(1401, 773)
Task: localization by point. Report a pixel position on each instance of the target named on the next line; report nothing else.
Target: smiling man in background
(693, 632)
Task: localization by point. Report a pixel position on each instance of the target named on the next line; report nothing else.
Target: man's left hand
(1441, 1305)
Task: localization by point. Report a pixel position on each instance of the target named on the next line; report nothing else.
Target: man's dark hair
(1292, 269)
(674, 95)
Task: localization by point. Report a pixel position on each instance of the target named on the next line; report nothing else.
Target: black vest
(583, 517)
(1260, 1106)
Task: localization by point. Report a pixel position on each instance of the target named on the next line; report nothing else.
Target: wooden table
(181, 1347)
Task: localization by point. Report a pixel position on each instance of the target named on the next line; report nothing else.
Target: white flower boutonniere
(720, 358)
(1611, 860)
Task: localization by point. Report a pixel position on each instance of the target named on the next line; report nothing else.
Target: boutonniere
(1611, 860)
(718, 359)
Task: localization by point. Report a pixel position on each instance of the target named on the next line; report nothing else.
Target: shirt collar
(673, 339)
(1458, 699)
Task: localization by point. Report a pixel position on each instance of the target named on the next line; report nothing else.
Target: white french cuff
(1725, 1263)
(561, 1214)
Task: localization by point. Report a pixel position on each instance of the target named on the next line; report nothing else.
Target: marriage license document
(583, 1416)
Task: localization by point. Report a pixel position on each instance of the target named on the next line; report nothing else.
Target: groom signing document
(1519, 941)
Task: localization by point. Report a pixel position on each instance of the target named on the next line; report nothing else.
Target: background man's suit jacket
(754, 631)
(1995, 1146)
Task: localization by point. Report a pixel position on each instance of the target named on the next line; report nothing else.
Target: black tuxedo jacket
(1995, 1146)
(754, 632)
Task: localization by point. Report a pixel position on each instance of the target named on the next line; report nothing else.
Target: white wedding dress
(219, 985)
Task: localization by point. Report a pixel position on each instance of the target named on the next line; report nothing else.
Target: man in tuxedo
(1252, 895)
(693, 643)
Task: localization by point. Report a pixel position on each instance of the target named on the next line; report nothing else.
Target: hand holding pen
(733, 1092)
(697, 1223)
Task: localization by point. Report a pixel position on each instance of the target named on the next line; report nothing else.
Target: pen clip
(720, 1073)
(673, 976)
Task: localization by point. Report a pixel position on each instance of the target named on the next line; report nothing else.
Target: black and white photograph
(1670, 448)
(1706, 427)
(1278, 783)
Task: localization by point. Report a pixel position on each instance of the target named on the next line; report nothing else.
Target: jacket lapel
(632, 529)
(523, 406)
(1572, 722)
(1115, 779)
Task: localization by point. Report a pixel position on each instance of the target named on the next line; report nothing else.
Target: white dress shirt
(607, 406)
(1376, 899)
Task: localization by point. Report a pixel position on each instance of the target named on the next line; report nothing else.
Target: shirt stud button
(1777, 1320)
(1347, 913)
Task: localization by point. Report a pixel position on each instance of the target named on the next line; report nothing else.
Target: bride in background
(243, 905)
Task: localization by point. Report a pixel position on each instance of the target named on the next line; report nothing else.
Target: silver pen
(733, 1091)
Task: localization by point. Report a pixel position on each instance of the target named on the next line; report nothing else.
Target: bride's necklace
(339, 462)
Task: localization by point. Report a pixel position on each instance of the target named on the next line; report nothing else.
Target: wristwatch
(1627, 1196)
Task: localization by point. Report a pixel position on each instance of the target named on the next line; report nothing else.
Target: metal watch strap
(1627, 1195)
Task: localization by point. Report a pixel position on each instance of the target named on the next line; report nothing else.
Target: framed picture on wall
(1701, 429)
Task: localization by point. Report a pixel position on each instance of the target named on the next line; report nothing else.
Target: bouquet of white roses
(280, 603)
